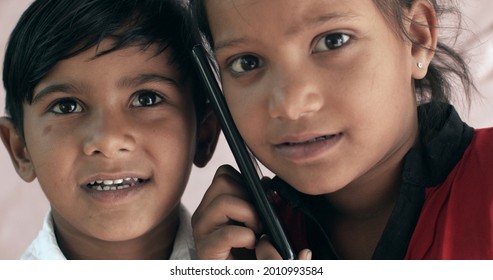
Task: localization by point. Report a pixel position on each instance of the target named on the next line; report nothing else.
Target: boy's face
(321, 90)
(112, 141)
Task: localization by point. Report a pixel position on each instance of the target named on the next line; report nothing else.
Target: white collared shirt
(45, 245)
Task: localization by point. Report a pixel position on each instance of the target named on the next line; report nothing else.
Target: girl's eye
(146, 98)
(66, 106)
(245, 63)
(331, 42)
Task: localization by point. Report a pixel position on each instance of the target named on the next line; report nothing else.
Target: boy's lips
(115, 189)
(106, 182)
(113, 185)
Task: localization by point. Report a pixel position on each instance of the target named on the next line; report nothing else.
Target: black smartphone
(244, 158)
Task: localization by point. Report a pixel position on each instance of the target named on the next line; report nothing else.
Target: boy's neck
(156, 244)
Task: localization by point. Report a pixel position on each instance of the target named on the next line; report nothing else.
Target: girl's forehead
(228, 19)
(291, 13)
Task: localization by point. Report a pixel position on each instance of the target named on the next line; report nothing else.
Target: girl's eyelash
(249, 61)
(331, 41)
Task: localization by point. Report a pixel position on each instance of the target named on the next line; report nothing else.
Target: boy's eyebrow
(146, 78)
(124, 82)
(51, 89)
(305, 23)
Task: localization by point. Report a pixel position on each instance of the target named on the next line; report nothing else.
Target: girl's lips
(308, 149)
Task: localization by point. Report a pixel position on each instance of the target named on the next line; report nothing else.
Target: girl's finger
(265, 250)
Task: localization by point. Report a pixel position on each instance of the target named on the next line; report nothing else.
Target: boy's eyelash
(157, 96)
(58, 102)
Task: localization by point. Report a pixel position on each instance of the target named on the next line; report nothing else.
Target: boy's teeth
(123, 187)
(112, 185)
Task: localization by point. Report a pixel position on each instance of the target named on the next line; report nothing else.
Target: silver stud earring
(420, 65)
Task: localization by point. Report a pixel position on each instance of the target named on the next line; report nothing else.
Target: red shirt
(456, 221)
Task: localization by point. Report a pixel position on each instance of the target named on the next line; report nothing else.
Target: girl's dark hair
(53, 30)
(446, 66)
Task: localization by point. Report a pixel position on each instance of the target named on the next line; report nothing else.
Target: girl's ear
(423, 31)
(17, 150)
(207, 137)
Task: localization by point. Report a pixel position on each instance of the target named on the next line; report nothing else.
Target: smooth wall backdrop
(23, 206)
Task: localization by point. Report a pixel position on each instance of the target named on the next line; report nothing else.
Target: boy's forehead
(130, 66)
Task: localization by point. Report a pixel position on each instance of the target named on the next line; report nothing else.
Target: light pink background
(23, 206)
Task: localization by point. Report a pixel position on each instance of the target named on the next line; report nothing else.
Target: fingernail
(309, 255)
(264, 235)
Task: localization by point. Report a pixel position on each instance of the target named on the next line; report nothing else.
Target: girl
(348, 103)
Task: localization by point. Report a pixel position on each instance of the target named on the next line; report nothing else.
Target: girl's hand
(225, 219)
(266, 251)
(226, 225)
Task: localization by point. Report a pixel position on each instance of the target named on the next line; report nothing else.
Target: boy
(104, 112)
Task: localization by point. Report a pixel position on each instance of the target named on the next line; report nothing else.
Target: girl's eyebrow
(309, 22)
(229, 43)
(295, 28)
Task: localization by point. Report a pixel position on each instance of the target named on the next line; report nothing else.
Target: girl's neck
(156, 244)
(367, 197)
(355, 216)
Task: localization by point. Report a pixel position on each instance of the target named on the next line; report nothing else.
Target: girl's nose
(295, 94)
(108, 135)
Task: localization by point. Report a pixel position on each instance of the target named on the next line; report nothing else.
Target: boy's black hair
(53, 30)
(446, 65)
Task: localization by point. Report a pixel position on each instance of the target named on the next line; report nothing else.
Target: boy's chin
(122, 232)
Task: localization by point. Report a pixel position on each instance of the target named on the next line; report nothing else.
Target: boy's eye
(245, 63)
(146, 98)
(331, 41)
(66, 106)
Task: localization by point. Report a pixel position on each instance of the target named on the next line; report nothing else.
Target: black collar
(443, 140)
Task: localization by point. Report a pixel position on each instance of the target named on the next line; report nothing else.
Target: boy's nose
(295, 94)
(107, 135)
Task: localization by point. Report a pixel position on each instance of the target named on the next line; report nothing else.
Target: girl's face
(321, 90)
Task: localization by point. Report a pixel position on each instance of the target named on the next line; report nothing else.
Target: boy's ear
(207, 136)
(423, 30)
(17, 150)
